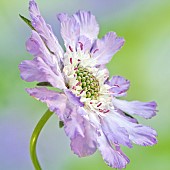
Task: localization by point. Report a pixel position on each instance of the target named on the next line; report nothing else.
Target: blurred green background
(144, 60)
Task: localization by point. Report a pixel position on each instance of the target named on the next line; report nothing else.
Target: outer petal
(144, 109)
(102, 74)
(84, 44)
(117, 147)
(119, 86)
(143, 135)
(91, 117)
(38, 70)
(36, 47)
(44, 30)
(30, 72)
(85, 146)
(138, 134)
(45, 64)
(73, 123)
(55, 80)
(113, 158)
(73, 98)
(56, 102)
(127, 116)
(88, 24)
(114, 132)
(105, 48)
(70, 31)
(94, 119)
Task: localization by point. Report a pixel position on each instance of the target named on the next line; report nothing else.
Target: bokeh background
(144, 60)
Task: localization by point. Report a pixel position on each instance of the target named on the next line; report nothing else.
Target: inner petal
(87, 82)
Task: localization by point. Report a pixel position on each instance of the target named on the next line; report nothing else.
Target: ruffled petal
(73, 98)
(54, 79)
(30, 72)
(113, 158)
(117, 148)
(143, 135)
(127, 116)
(73, 123)
(56, 102)
(85, 146)
(105, 48)
(45, 64)
(93, 119)
(44, 30)
(84, 44)
(59, 103)
(37, 48)
(70, 31)
(88, 24)
(38, 70)
(90, 117)
(143, 109)
(114, 132)
(138, 134)
(33, 8)
(102, 74)
(119, 86)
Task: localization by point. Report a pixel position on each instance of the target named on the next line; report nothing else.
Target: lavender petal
(44, 30)
(73, 122)
(105, 48)
(143, 109)
(56, 102)
(88, 24)
(73, 98)
(84, 44)
(70, 31)
(138, 134)
(112, 157)
(38, 70)
(85, 146)
(114, 132)
(119, 86)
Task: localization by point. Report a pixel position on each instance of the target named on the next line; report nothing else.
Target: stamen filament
(99, 104)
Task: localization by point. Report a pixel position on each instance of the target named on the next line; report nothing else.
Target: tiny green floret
(88, 82)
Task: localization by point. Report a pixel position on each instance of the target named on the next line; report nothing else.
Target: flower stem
(34, 138)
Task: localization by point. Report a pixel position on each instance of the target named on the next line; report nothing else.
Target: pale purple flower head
(94, 118)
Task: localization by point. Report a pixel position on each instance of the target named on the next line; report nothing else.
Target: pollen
(88, 82)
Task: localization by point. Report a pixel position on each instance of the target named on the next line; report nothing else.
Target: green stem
(34, 138)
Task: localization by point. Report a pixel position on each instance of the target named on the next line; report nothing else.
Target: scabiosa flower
(93, 116)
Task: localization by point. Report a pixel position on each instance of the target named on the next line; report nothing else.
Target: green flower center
(88, 82)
